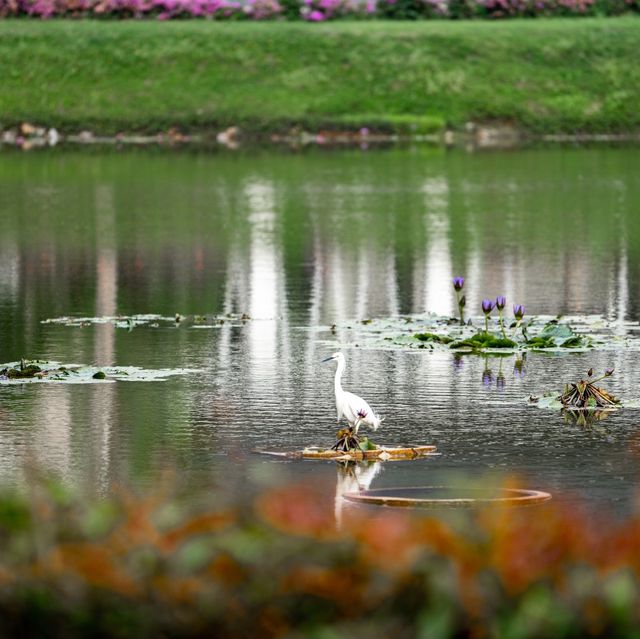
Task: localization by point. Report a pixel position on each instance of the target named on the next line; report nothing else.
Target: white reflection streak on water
(392, 284)
(437, 276)
(362, 287)
(9, 271)
(52, 441)
(103, 397)
(268, 338)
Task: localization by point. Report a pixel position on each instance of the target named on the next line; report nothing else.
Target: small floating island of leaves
(152, 320)
(580, 395)
(40, 371)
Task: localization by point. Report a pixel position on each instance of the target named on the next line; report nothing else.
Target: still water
(298, 242)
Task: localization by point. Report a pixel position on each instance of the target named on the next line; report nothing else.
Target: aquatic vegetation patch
(38, 371)
(482, 340)
(580, 395)
(574, 333)
(130, 322)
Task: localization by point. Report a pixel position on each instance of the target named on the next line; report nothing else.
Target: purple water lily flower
(458, 283)
(518, 311)
(487, 306)
(362, 413)
(500, 302)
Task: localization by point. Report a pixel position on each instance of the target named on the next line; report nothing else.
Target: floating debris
(585, 394)
(381, 453)
(581, 396)
(447, 497)
(38, 371)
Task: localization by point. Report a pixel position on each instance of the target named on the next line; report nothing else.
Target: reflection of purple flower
(518, 311)
(458, 283)
(487, 306)
(500, 302)
(518, 369)
(458, 363)
(501, 381)
(487, 377)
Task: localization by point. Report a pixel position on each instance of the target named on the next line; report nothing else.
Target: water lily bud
(608, 372)
(500, 302)
(463, 301)
(590, 372)
(518, 311)
(458, 283)
(487, 306)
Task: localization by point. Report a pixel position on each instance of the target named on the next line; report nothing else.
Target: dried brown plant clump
(585, 394)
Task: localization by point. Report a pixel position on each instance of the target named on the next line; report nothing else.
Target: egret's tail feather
(377, 421)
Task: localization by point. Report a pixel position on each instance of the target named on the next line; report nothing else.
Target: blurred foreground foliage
(127, 566)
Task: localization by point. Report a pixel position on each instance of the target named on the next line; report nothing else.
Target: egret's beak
(328, 359)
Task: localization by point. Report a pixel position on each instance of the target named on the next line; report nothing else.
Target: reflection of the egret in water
(353, 477)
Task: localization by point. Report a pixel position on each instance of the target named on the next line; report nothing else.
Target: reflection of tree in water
(353, 477)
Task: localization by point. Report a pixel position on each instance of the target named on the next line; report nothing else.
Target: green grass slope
(558, 75)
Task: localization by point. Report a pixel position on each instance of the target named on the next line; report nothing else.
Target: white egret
(349, 406)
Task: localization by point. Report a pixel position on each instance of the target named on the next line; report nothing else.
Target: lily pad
(433, 337)
(484, 340)
(151, 320)
(57, 373)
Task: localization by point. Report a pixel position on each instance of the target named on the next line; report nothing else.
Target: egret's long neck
(339, 371)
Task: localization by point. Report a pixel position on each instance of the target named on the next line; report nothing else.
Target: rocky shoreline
(28, 137)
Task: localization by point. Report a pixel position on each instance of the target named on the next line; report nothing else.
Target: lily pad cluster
(38, 371)
(442, 333)
(152, 320)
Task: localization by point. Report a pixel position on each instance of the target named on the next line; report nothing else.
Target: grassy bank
(561, 75)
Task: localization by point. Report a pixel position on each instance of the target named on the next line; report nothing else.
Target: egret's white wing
(354, 405)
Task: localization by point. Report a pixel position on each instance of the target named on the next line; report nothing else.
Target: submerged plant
(458, 284)
(585, 394)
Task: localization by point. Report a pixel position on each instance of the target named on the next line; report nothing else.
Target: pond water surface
(297, 242)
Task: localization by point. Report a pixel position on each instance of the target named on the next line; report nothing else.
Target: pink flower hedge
(312, 10)
(159, 9)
